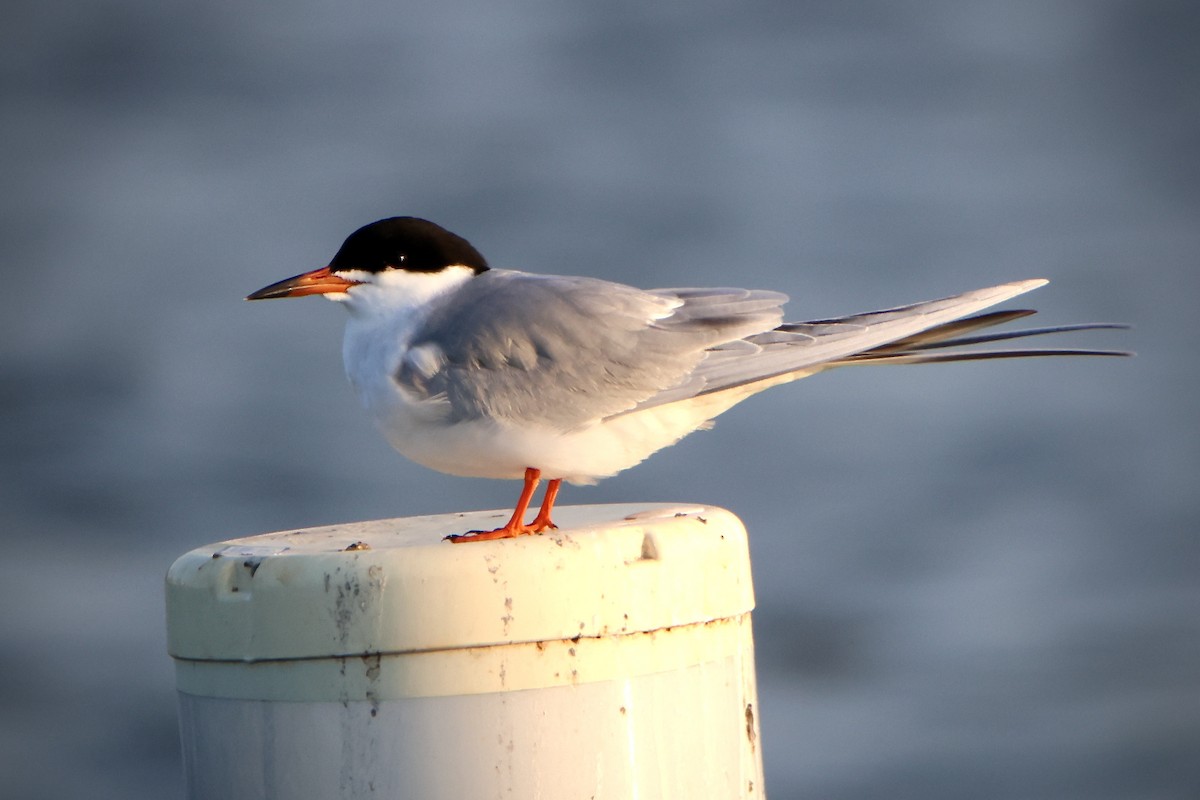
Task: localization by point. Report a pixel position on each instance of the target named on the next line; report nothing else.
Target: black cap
(407, 243)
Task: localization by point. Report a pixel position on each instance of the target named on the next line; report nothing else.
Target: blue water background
(980, 580)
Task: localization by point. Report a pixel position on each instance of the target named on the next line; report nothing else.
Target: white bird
(496, 373)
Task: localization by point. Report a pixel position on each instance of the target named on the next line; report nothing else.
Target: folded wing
(568, 351)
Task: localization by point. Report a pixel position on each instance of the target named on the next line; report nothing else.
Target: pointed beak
(319, 281)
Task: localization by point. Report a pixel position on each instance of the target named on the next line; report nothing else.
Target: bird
(496, 373)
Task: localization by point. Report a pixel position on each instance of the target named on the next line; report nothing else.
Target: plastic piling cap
(393, 586)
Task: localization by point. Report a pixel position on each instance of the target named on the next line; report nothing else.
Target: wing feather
(567, 351)
(797, 347)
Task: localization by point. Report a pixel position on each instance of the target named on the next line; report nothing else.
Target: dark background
(973, 581)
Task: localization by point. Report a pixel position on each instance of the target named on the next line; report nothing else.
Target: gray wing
(912, 334)
(566, 351)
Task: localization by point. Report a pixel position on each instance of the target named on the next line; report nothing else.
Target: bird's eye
(397, 262)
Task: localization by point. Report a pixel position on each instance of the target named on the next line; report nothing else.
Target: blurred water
(976, 581)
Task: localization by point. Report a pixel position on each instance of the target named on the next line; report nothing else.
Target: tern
(496, 373)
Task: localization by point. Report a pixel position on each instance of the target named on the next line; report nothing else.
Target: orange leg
(516, 525)
(542, 521)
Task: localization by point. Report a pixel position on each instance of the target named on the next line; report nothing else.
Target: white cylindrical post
(612, 658)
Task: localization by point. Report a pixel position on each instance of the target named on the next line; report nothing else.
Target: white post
(612, 658)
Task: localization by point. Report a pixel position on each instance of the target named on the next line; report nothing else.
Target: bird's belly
(497, 448)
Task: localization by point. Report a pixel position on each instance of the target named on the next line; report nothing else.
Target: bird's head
(391, 256)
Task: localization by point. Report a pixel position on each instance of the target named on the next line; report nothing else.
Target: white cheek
(421, 286)
(398, 291)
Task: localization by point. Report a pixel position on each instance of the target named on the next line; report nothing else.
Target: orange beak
(319, 281)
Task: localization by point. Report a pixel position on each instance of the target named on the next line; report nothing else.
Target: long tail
(912, 334)
(932, 346)
(935, 331)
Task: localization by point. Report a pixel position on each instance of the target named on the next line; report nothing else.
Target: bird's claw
(537, 526)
